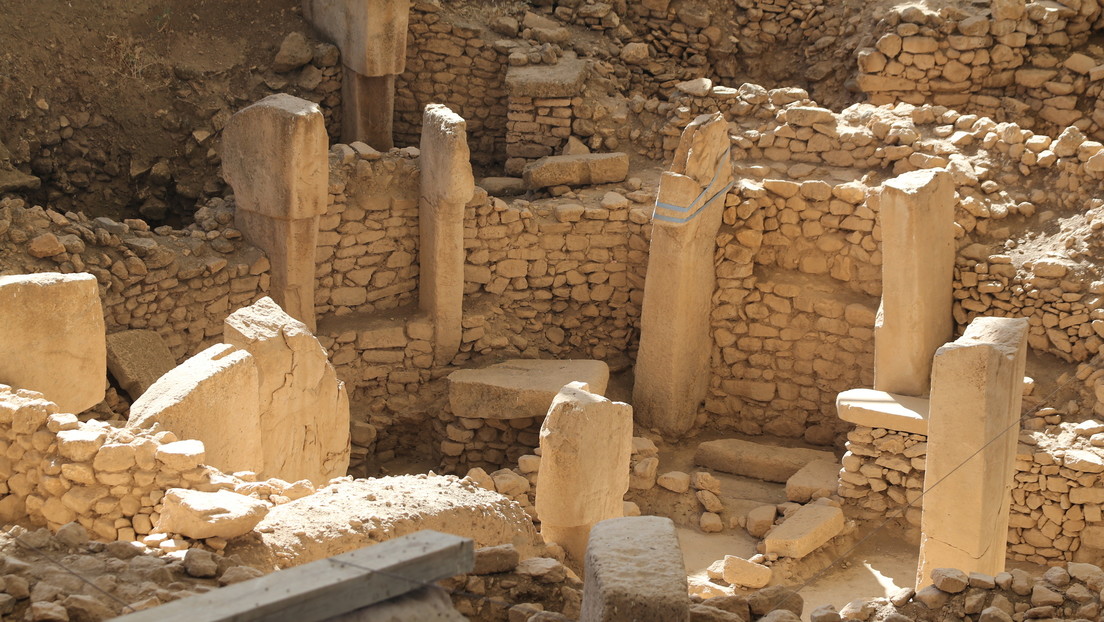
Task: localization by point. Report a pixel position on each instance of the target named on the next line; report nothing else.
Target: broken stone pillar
(52, 338)
(447, 185)
(914, 319)
(977, 389)
(274, 155)
(211, 397)
(304, 408)
(672, 365)
(635, 572)
(586, 443)
(372, 37)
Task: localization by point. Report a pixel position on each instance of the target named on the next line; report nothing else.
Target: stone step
(819, 476)
(766, 462)
(804, 531)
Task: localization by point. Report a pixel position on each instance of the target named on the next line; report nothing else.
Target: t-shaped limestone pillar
(917, 218)
(586, 444)
(447, 185)
(372, 37)
(672, 365)
(274, 156)
(973, 428)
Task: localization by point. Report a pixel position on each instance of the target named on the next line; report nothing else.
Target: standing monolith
(672, 365)
(447, 184)
(586, 444)
(274, 155)
(914, 319)
(973, 429)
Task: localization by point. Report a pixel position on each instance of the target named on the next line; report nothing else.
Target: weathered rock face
(221, 514)
(136, 359)
(304, 408)
(211, 397)
(52, 338)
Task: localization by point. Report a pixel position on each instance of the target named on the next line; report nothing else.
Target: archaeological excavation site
(552, 310)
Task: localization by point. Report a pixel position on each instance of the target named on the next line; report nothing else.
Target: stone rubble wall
(1057, 498)
(180, 283)
(537, 128)
(456, 65)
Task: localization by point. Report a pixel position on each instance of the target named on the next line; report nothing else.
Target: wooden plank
(328, 587)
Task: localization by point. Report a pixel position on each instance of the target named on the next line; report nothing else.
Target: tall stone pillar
(914, 319)
(274, 155)
(586, 445)
(976, 396)
(447, 185)
(672, 365)
(372, 37)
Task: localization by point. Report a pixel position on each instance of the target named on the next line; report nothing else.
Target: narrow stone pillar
(672, 365)
(635, 572)
(447, 185)
(586, 444)
(372, 37)
(914, 319)
(274, 155)
(977, 390)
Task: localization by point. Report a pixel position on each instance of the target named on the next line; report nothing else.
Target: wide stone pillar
(447, 185)
(914, 319)
(372, 37)
(672, 365)
(586, 444)
(274, 155)
(976, 396)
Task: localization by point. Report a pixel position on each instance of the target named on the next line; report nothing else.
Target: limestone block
(52, 338)
(520, 388)
(212, 397)
(447, 185)
(635, 572)
(274, 154)
(198, 515)
(819, 476)
(768, 462)
(914, 319)
(370, 33)
(564, 79)
(136, 359)
(977, 392)
(577, 170)
(744, 573)
(805, 530)
(586, 445)
(304, 408)
(878, 409)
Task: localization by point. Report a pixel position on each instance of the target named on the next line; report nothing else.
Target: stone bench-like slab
(804, 531)
(816, 477)
(878, 409)
(766, 462)
(520, 388)
(577, 170)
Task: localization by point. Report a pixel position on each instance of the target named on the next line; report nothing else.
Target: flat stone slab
(817, 476)
(577, 170)
(805, 530)
(520, 388)
(766, 462)
(564, 79)
(136, 359)
(878, 409)
(635, 572)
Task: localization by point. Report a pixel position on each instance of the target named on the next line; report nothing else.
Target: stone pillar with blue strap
(672, 365)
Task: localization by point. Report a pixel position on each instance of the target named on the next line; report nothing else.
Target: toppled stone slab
(577, 170)
(520, 388)
(199, 515)
(635, 572)
(136, 359)
(819, 476)
(767, 462)
(805, 530)
(503, 186)
(878, 409)
(564, 79)
(52, 338)
(350, 514)
(212, 397)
